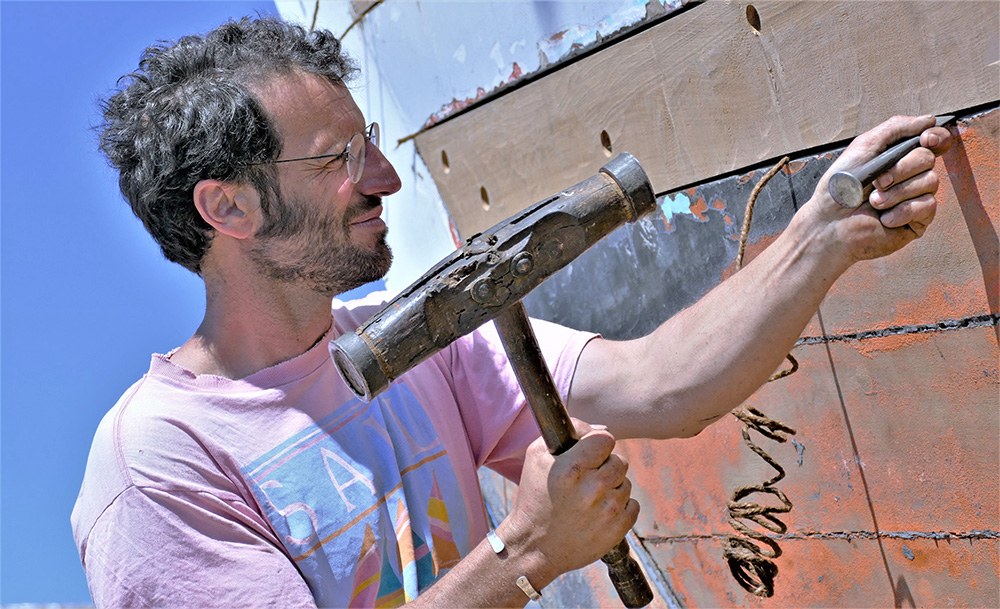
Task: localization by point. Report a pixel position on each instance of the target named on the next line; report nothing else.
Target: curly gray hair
(188, 114)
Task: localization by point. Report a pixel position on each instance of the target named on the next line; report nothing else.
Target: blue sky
(85, 295)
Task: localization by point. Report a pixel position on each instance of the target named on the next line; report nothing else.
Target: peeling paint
(977, 534)
(698, 209)
(799, 448)
(561, 46)
(678, 203)
(455, 237)
(515, 73)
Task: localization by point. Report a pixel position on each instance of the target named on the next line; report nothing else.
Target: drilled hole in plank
(753, 18)
(485, 196)
(606, 143)
(444, 162)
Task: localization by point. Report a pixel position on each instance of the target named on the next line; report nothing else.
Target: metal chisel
(848, 187)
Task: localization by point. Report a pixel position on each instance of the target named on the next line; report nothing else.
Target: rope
(751, 554)
(748, 215)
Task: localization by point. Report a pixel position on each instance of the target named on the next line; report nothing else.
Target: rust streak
(936, 535)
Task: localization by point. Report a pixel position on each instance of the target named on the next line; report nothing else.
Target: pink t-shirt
(283, 490)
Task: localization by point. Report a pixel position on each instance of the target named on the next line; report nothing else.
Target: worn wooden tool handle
(536, 382)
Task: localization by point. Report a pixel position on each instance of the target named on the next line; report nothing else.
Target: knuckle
(612, 510)
(575, 470)
(605, 442)
(934, 180)
(926, 157)
(929, 210)
(633, 509)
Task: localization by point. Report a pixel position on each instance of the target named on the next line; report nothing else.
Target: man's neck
(246, 330)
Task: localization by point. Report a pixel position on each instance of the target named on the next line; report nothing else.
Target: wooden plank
(705, 93)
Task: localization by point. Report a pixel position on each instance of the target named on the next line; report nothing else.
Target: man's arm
(707, 359)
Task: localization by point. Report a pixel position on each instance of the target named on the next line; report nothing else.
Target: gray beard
(298, 245)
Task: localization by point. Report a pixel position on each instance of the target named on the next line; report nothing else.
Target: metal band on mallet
(848, 187)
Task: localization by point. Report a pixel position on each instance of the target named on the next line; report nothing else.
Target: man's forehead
(303, 105)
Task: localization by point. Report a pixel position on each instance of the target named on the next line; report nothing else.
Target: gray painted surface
(643, 273)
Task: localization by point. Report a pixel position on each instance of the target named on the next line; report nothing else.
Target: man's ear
(231, 209)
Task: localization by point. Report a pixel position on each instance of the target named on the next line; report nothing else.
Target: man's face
(323, 229)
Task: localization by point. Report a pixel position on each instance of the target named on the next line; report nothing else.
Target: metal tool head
(846, 190)
(357, 364)
(848, 187)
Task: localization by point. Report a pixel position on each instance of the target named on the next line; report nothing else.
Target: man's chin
(364, 268)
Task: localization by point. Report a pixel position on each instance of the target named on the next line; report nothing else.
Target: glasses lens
(356, 157)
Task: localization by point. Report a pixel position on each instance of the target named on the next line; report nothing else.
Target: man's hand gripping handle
(557, 430)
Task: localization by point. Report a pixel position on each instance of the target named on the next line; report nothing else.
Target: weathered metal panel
(683, 485)
(897, 418)
(689, 248)
(851, 578)
(887, 447)
(923, 413)
(952, 272)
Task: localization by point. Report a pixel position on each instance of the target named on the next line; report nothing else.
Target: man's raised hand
(901, 205)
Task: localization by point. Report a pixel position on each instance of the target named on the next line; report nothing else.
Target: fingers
(592, 460)
(937, 139)
(603, 472)
(594, 446)
(575, 506)
(916, 211)
(912, 176)
(905, 193)
(934, 143)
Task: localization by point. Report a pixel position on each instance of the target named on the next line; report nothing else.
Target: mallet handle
(540, 391)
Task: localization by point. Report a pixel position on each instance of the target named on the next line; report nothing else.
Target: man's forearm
(707, 359)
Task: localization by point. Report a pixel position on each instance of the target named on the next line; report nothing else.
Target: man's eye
(333, 161)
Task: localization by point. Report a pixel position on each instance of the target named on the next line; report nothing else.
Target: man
(240, 471)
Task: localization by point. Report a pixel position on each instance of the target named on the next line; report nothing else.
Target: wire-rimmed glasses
(355, 152)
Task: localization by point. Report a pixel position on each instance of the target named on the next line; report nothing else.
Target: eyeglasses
(355, 152)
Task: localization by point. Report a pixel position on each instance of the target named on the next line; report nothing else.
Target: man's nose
(379, 177)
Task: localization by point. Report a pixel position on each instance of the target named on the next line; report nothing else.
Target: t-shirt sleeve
(498, 422)
(186, 549)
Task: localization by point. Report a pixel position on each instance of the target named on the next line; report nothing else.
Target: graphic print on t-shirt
(365, 501)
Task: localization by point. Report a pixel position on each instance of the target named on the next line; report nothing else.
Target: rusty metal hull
(895, 470)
